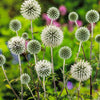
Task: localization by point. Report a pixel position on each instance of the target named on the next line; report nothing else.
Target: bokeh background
(10, 9)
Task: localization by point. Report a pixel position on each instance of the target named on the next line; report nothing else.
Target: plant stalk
(44, 86)
(32, 30)
(79, 90)
(79, 49)
(20, 76)
(31, 92)
(10, 83)
(17, 33)
(64, 72)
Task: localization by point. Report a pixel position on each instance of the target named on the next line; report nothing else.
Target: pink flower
(63, 10)
(56, 24)
(89, 26)
(26, 42)
(79, 23)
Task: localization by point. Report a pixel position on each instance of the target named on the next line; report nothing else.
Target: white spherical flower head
(2, 59)
(30, 9)
(92, 16)
(81, 71)
(52, 36)
(82, 34)
(17, 45)
(65, 52)
(33, 47)
(25, 35)
(73, 16)
(53, 13)
(97, 38)
(25, 78)
(15, 25)
(43, 68)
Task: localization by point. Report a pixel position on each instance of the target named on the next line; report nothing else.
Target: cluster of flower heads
(25, 78)
(81, 71)
(43, 68)
(33, 47)
(15, 25)
(52, 36)
(2, 59)
(82, 34)
(65, 52)
(17, 45)
(30, 9)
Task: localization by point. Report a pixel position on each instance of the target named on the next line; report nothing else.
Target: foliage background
(10, 9)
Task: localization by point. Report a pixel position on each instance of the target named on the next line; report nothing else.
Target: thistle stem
(79, 90)
(53, 69)
(51, 22)
(10, 83)
(44, 86)
(64, 72)
(76, 24)
(31, 92)
(79, 49)
(32, 30)
(17, 33)
(20, 75)
(99, 54)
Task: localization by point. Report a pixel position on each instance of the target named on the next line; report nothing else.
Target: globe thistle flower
(17, 45)
(53, 13)
(25, 78)
(73, 16)
(65, 52)
(97, 38)
(43, 68)
(30, 9)
(33, 47)
(52, 36)
(81, 71)
(15, 25)
(92, 16)
(82, 34)
(2, 59)
(25, 35)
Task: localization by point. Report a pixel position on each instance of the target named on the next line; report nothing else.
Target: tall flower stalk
(32, 30)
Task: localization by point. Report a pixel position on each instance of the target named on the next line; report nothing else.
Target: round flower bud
(81, 71)
(65, 52)
(30, 9)
(2, 59)
(73, 16)
(25, 78)
(15, 25)
(43, 68)
(33, 47)
(17, 45)
(82, 34)
(92, 16)
(97, 38)
(52, 36)
(25, 35)
(53, 13)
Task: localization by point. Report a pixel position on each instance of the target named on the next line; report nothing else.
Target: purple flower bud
(63, 10)
(79, 23)
(69, 85)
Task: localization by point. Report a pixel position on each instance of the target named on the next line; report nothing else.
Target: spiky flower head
(82, 34)
(25, 35)
(2, 59)
(73, 16)
(52, 36)
(30, 9)
(43, 68)
(15, 25)
(25, 78)
(53, 13)
(16, 45)
(33, 47)
(65, 52)
(97, 38)
(81, 71)
(92, 16)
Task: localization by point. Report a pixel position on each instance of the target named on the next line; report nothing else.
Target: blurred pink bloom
(70, 26)
(45, 17)
(56, 24)
(26, 42)
(63, 10)
(79, 22)
(89, 26)
(70, 22)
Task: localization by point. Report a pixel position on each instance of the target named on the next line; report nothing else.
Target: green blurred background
(10, 9)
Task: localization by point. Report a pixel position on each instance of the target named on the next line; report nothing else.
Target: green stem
(51, 22)
(64, 73)
(17, 33)
(79, 90)
(76, 24)
(32, 30)
(31, 92)
(20, 76)
(10, 83)
(44, 86)
(79, 49)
